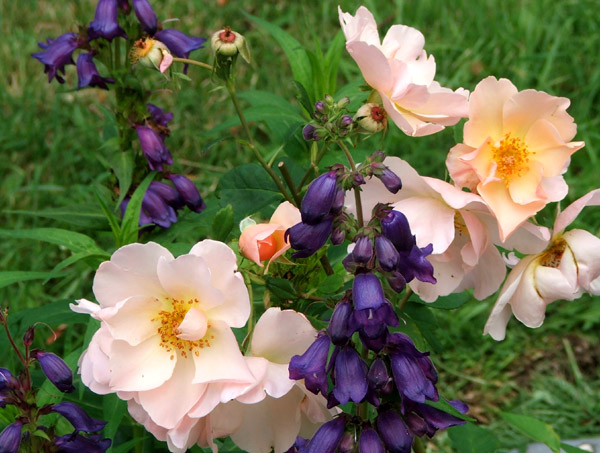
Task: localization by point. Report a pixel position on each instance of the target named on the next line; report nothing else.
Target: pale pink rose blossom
(165, 341)
(516, 147)
(400, 71)
(568, 267)
(459, 226)
(276, 410)
(265, 241)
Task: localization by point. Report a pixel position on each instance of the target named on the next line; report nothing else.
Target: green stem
(418, 446)
(313, 166)
(251, 317)
(407, 294)
(359, 212)
(192, 62)
(290, 183)
(117, 64)
(326, 265)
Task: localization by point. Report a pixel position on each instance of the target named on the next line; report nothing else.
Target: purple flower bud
(339, 330)
(56, 370)
(10, 438)
(57, 54)
(153, 148)
(320, 107)
(308, 132)
(378, 374)
(411, 380)
(359, 179)
(144, 218)
(347, 444)
(105, 24)
(159, 116)
(146, 16)
(76, 443)
(376, 343)
(328, 437)
(417, 425)
(338, 235)
(180, 44)
(78, 417)
(27, 341)
(346, 121)
(363, 250)
(395, 227)
(88, 75)
(370, 442)
(168, 193)
(319, 198)
(387, 255)
(158, 210)
(390, 180)
(338, 201)
(350, 376)
(308, 239)
(397, 281)
(367, 292)
(299, 446)
(189, 192)
(6, 379)
(393, 432)
(310, 366)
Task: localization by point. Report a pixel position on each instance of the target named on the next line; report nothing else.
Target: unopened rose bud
(229, 43)
(151, 53)
(371, 117)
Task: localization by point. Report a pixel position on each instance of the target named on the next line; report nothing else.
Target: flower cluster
(18, 391)
(330, 120)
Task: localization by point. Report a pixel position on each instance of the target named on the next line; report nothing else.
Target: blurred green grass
(50, 136)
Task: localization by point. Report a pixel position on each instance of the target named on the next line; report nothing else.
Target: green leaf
(53, 314)
(427, 323)
(42, 434)
(248, 188)
(10, 277)
(447, 302)
(122, 164)
(127, 446)
(571, 449)
(295, 53)
(222, 224)
(535, 429)
(113, 411)
(85, 215)
(75, 242)
(445, 406)
(281, 288)
(73, 259)
(332, 284)
(109, 215)
(470, 438)
(131, 219)
(182, 76)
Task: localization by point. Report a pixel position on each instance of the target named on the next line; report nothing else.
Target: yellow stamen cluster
(512, 158)
(460, 226)
(169, 329)
(140, 49)
(553, 254)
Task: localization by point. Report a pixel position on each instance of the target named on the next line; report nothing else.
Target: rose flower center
(553, 254)
(169, 330)
(511, 157)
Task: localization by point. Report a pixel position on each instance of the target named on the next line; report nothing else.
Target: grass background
(50, 139)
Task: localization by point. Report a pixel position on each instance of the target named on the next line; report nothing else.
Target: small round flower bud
(346, 121)
(321, 107)
(371, 117)
(28, 337)
(229, 43)
(151, 53)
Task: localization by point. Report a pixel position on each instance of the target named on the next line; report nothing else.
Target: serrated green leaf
(10, 277)
(281, 288)
(75, 242)
(534, 428)
(222, 224)
(470, 438)
(131, 219)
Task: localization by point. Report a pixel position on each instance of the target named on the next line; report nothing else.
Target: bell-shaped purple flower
(144, 218)
(350, 376)
(396, 281)
(394, 432)
(438, 419)
(180, 44)
(411, 380)
(319, 198)
(363, 250)
(372, 322)
(10, 438)
(338, 235)
(339, 329)
(88, 74)
(369, 442)
(308, 132)
(395, 227)
(168, 193)
(157, 209)
(311, 366)
(57, 54)
(307, 239)
(78, 417)
(378, 375)
(338, 201)
(328, 437)
(159, 116)
(415, 265)
(390, 180)
(6, 379)
(367, 292)
(387, 255)
(153, 148)
(56, 370)
(188, 192)
(146, 16)
(76, 443)
(105, 24)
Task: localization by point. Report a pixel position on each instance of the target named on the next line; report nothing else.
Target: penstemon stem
(248, 283)
(359, 212)
(193, 62)
(418, 446)
(290, 183)
(313, 165)
(405, 298)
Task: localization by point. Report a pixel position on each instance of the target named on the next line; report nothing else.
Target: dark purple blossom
(369, 442)
(328, 437)
(78, 417)
(390, 180)
(76, 443)
(168, 193)
(319, 198)
(180, 44)
(307, 239)
(372, 323)
(415, 265)
(437, 419)
(153, 147)
(363, 250)
(57, 54)
(387, 255)
(394, 432)
(56, 370)
(105, 24)
(367, 292)
(395, 227)
(339, 329)
(311, 365)
(350, 376)
(188, 192)
(378, 375)
(157, 209)
(309, 132)
(146, 16)
(10, 438)
(88, 75)
(159, 116)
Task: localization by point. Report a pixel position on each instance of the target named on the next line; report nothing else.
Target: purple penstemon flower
(153, 147)
(10, 438)
(180, 44)
(105, 24)
(159, 116)
(157, 209)
(80, 420)
(58, 53)
(319, 198)
(145, 15)
(308, 239)
(55, 369)
(88, 75)
(188, 192)
(311, 366)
